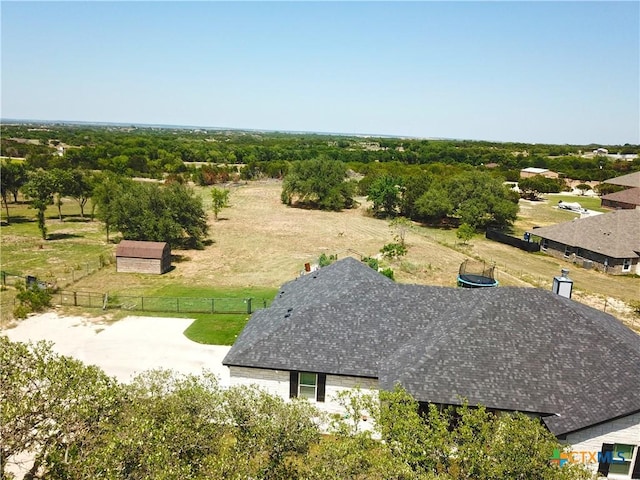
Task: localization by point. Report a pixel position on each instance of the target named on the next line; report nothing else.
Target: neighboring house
(508, 348)
(610, 242)
(625, 199)
(533, 171)
(631, 180)
(143, 257)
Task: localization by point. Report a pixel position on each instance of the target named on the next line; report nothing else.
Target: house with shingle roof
(626, 199)
(507, 348)
(610, 242)
(631, 180)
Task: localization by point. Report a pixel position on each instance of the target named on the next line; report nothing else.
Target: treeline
(152, 152)
(435, 194)
(61, 419)
(169, 212)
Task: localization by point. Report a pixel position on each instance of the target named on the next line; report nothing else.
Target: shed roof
(630, 195)
(506, 348)
(629, 180)
(138, 249)
(535, 170)
(615, 234)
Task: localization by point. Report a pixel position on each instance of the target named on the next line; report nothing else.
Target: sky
(538, 72)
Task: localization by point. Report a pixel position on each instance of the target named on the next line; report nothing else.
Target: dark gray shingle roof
(615, 234)
(507, 348)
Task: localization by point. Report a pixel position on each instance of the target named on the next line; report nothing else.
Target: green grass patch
(216, 329)
(590, 203)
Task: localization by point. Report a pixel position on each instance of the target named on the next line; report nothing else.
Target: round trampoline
(476, 275)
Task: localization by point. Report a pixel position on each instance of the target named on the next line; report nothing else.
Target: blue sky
(555, 72)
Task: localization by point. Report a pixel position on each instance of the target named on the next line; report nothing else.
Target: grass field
(259, 243)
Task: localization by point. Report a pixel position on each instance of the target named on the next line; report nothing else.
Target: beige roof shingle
(630, 195)
(615, 234)
(629, 180)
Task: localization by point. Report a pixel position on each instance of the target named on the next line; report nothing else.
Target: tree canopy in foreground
(68, 420)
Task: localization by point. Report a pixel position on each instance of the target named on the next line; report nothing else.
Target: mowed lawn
(259, 243)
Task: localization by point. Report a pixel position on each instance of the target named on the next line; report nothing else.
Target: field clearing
(259, 243)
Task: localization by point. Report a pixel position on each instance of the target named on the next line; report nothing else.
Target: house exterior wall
(614, 265)
(276, 382)
(138, 265)
(616, 204)
(625, 430)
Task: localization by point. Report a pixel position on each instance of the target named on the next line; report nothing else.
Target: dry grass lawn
(259, 242)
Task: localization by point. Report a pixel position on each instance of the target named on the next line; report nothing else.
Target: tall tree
(12, 177)
(384, 192)
(40, 189)
(107, 188)
(319, 182)
(172, 213)
(80, 188)
(63, 184)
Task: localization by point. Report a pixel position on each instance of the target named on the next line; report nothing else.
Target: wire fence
(139, 303)
(65, 277)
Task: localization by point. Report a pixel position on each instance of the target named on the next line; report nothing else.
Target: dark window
(311, 386)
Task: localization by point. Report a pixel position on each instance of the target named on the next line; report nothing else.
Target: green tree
(149, 212)
(465, 232)
(320, 183)
(80, 188)
(532, 187)
(48, 403)
(219, 200)
(40, 189)
(12, 177)
(435, 204)
(583, 187)
(384, 192)
(107, 187)
(63, 185)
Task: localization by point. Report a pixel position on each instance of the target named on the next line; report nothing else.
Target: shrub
(393, 250)
(387, 272)
(325, 260)
(372, 262)
(32, 298)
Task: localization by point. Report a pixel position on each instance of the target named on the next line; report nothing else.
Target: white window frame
(306, 387)
(544, 244)
(626, 265)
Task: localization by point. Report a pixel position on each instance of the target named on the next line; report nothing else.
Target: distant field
(259, 243)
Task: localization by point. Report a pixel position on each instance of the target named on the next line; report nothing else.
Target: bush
(387, 272)
(393, 250)
(372, 262)
(32, 298)
(325, 260)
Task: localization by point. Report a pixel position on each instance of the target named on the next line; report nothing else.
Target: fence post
(4, 278)
(212, 307)
(249, 305)
(75, 299)
(142, 303)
